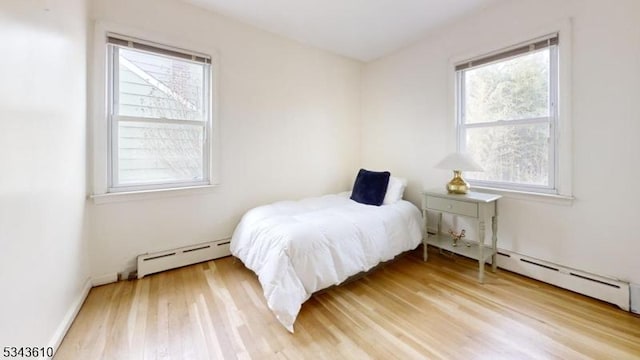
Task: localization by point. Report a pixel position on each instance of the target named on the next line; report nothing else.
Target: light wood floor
(407, 309)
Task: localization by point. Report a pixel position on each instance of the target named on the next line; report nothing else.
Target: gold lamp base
(457, 185)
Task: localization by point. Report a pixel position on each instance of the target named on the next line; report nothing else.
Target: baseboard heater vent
(151, 263)
(538, 264)
(610, 290)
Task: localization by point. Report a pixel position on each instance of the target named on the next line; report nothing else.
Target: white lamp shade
(459, 161)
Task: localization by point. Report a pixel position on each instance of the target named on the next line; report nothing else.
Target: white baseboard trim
(104, 279)
(71, 314)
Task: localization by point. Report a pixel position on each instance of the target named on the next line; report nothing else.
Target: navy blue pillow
(370, 187)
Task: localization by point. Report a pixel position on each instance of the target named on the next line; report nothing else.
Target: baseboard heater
(151, 263)
(610, 290)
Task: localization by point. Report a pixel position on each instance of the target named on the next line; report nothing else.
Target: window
(507, 116)
(159, 106)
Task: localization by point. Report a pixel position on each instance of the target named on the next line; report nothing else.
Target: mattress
(299, 247)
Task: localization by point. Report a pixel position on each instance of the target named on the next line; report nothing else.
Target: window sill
(115, 197)
(557, 199)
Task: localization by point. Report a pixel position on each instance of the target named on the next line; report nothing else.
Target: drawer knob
(449, 206)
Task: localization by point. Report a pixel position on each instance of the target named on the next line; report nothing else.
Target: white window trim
(124, 196)
(564, 137)
(99, 123)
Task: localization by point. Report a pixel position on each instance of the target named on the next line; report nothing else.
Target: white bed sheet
(299, 247)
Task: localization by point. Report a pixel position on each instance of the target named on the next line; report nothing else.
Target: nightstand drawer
(452, 206)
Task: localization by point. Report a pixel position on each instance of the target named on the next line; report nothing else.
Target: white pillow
(395, 190)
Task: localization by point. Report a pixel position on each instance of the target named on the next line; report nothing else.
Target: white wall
(289, 122)
(43, 249)
(408, 126)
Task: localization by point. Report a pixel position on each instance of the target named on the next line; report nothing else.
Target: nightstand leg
(494, 242)
(424, 249)
(426, 235)
(481, 249)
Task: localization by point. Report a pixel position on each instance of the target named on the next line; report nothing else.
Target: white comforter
(299, 247)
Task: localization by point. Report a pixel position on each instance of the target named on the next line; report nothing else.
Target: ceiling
(359, 29)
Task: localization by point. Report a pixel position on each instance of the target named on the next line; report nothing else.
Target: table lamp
(458, 162)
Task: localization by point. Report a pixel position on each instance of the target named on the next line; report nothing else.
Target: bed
(299, 247)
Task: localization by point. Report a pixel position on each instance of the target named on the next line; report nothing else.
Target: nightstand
(480, 207)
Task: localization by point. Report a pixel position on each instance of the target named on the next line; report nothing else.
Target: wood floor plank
(405, 309)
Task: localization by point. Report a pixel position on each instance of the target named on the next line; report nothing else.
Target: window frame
(114, 119)
(552, 120)
(97, 112)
